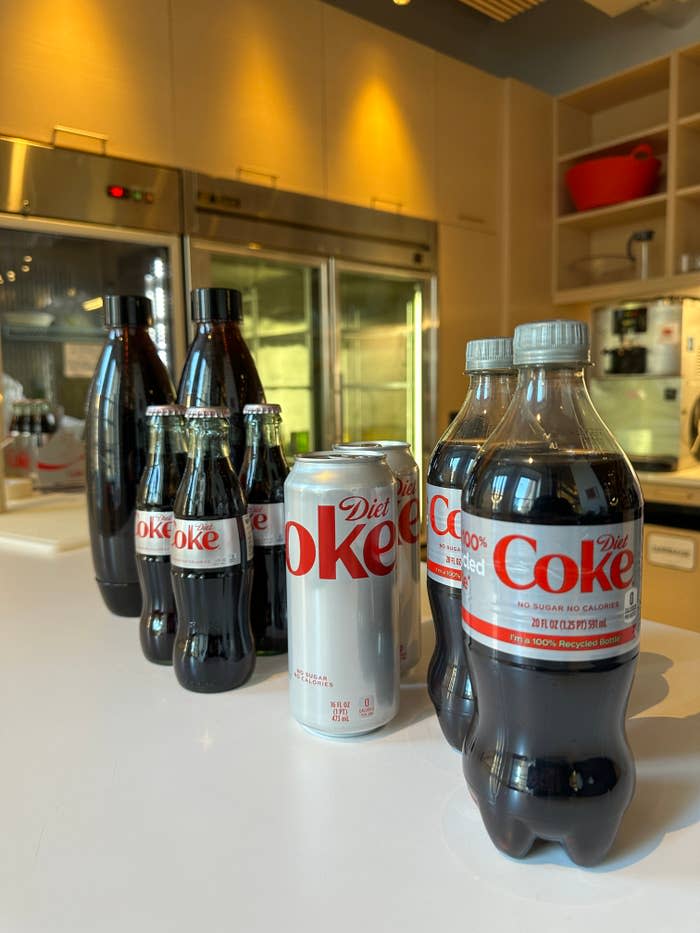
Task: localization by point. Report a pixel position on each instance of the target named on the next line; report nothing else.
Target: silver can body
(405, 469)
(341, 550)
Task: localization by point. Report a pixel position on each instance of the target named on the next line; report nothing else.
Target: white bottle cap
(556, 341)
(490, 353)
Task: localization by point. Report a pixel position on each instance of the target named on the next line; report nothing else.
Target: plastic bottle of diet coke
(491, 381)
(552, 545)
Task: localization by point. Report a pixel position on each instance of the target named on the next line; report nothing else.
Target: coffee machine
(645, 379)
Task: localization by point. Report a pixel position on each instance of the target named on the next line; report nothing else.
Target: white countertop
(129, 804)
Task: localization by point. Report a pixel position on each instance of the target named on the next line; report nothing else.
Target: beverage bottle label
(552, 592)
(267, 520)
(153, 533)
(206, 544)
(444, 549)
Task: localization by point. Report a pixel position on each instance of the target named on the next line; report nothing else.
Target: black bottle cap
(217, 304)
(128, 311)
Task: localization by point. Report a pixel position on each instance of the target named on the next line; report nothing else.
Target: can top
(216, 305)
(491, 353)
(556, 341)
(128, 311)
(262, 408)
(364, 448)
(219, 411)
(339, 457)
(164, 410)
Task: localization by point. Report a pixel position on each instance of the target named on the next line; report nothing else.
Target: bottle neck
(490, 386)
(262, 431)
(166, 438)
(208, 438)
(551, 385)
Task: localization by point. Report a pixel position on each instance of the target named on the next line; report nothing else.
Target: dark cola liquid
(269, 600)
(159, 616)
(158, 622)
(220, 370)
(547, 755)
(449, 683)
(214, 649)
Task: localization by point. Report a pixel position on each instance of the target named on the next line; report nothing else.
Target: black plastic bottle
(129, 377)
(262, 477)
(167, 456)
(552, 538)
(491, 380)
(219, 369)
(211, 562)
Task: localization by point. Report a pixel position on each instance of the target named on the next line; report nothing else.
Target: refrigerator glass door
(283, 307)
(378, 366)
(52, 279)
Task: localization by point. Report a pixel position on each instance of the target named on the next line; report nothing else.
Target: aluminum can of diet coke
(341, 551)
(405, 469)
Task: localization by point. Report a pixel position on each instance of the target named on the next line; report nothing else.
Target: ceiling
(557, 45)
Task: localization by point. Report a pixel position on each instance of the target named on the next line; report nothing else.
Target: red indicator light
(117, 191)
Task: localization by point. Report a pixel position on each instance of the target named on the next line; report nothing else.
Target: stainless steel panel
(43, 181)
(236, 212)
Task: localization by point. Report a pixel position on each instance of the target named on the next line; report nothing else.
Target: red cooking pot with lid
(613, 179)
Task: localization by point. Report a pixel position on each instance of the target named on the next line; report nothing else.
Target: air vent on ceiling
(502, 10)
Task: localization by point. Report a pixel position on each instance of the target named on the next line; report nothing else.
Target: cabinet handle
(396, 205)
(86, 134)
(258, 172)
(471, 219)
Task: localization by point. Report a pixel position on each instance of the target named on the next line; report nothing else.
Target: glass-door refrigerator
(339, 308)
(73, 227)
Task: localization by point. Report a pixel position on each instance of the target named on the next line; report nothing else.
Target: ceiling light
(25, 268)
(27, 259)
(402, 2)
(10, 275)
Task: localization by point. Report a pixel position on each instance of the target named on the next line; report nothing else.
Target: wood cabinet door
(469, 306)
(469, 145)
(99, 67)
(248, 90)
(380, 117)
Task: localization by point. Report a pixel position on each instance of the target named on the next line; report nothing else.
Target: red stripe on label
(447, 572)
(548, 642)
(54, 466)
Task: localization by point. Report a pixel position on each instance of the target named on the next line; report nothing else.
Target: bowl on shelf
(613, 179)
(593, 270)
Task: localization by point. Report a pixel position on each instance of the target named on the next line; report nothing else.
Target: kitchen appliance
(645, 380)
(74, 226)
(339, 307)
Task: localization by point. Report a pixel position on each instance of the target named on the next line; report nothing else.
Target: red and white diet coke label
(153, 533)
(407, 509)
(444, 522)
(207, 544)
(353, 538)
(552, 592)
(267, 521)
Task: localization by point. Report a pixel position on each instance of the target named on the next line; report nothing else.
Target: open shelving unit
(656, 103)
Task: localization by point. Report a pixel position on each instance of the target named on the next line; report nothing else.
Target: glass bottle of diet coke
(552, 546)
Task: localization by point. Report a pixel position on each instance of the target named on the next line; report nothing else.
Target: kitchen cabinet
(248, 91)
(469, 303)
(469, 140)
(380, 117)
(527, 219)
(656, 103)
(98, 67)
